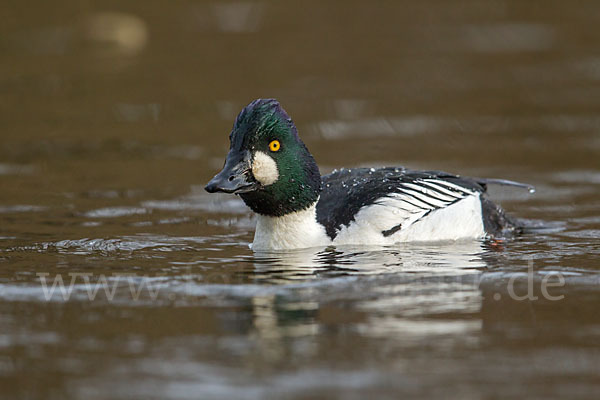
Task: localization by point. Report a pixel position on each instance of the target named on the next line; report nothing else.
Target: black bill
(235, 176)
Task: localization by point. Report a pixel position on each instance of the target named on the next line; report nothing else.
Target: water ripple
(113, 212)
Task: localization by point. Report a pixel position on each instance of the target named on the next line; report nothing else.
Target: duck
(270, 168)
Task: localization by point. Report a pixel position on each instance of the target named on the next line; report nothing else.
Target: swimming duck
(273, 172)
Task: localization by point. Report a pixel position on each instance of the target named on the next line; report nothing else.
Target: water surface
(115, 116)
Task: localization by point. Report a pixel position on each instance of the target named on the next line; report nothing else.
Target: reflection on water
(121, 278)
(306, 305)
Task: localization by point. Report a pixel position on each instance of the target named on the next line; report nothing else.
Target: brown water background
(115, 114)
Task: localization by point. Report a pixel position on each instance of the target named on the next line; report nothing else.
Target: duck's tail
(498, 224)
(505, 182)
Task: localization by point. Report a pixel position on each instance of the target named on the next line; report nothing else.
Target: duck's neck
(294, 230)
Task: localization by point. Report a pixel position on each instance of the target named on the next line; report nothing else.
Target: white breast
(292, 231)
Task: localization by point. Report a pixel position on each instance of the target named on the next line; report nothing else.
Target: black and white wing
(390, 200)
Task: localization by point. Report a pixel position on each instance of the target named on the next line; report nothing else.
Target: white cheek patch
(264, 168)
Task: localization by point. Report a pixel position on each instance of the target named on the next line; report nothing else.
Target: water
(115, 117)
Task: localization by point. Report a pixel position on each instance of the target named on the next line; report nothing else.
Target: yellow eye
(274, 145)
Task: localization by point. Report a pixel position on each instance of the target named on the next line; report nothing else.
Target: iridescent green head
(267, 164)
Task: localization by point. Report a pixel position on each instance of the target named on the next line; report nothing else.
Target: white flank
(461, 220)
(292, 231)
(264, 168)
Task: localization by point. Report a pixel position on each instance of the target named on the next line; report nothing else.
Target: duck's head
(267, 164)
